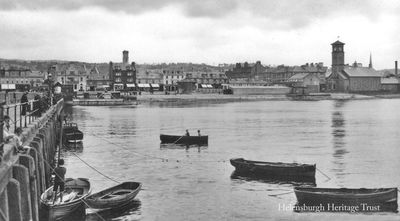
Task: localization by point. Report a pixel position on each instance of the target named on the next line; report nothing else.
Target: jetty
(24, 176)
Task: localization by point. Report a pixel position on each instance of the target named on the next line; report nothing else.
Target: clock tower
(337, 57)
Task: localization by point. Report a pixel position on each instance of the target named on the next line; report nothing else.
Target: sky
(290, 32)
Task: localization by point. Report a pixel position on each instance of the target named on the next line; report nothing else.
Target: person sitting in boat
(198, 132)
(59, 179)
(187, 133)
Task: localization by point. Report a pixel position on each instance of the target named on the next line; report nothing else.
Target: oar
(280, 194)
(179, 138)
(324, 174)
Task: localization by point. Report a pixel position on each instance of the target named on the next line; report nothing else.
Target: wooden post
(61, 137)
(21, 174)
(14, 200)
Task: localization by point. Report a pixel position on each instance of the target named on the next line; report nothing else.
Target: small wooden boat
(75, 191)
(114, 197)
(71, 133)
(273, 169)
(186, 140)
(344, 196)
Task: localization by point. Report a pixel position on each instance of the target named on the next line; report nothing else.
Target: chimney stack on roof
(395, 68)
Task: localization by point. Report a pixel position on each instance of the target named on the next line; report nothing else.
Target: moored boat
(71, 133)
(75, 191)
(114, 197)
(186, 140)
(277, 169)
(366, 200)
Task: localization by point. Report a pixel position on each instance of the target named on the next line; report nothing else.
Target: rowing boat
(75, 191)
(273, 168)
(361, 198)
(114, 197)
(186, 140)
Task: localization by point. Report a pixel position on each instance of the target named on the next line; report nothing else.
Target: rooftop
(361, 72)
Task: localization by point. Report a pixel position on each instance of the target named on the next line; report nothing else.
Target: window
(81, 78)
(117, 79)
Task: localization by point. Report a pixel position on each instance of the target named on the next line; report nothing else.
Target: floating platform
(102, 102)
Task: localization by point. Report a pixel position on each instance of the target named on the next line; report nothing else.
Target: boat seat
(117, 193)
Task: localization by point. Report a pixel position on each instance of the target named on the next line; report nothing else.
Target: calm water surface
(355, 143)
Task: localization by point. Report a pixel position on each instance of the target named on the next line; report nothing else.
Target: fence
(20, 115)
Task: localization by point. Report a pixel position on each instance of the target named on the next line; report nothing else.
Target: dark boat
(295, 181)
(186, 140)
(375, 199)
(114, 197)
(75, 191)
(273, 169)
(71, 133)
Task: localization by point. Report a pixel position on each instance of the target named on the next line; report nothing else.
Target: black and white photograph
(213, 110)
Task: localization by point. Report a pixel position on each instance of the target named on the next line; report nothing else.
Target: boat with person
(375, 199)
(75, 191)
(71, 133)
(277, 169)
(114, 197)
(184, 139)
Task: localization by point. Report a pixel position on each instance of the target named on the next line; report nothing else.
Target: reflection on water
(184, 147)
(131, 211)
(295, 181)
(339, 138)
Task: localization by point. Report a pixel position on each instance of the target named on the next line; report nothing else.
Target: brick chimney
(125, 57)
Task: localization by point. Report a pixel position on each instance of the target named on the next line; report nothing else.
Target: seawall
(25, 176)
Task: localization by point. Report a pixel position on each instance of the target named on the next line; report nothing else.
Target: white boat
(75, 191)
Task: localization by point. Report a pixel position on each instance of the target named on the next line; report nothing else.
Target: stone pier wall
(25, 176)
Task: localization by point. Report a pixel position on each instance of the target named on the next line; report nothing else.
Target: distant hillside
(42, 65)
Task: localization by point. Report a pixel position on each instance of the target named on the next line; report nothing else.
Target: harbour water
(354, 143)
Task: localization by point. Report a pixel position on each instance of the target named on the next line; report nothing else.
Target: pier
(25, 176)
(102, 102)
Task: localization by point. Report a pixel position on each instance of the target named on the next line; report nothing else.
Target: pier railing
(20, 115)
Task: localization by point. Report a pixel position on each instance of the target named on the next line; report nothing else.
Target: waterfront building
(22, 79)
(355, 78)
(281, 74)
(150, 79)
(72, 74)
(245, 71)
(99, 78)
(171, 76)
(123, 75)
(305, 83)
(207, 79)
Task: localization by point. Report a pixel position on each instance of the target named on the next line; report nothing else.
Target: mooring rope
(95, 168)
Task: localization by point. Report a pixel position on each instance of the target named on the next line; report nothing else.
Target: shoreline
(144, 98)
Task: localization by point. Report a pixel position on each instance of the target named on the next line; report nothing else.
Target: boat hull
(71, 133)
(186, 140)
(273, 169)
(360, 198)
(59, 211)
(114, 197)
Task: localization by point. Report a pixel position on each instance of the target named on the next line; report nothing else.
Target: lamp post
(50, 82)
